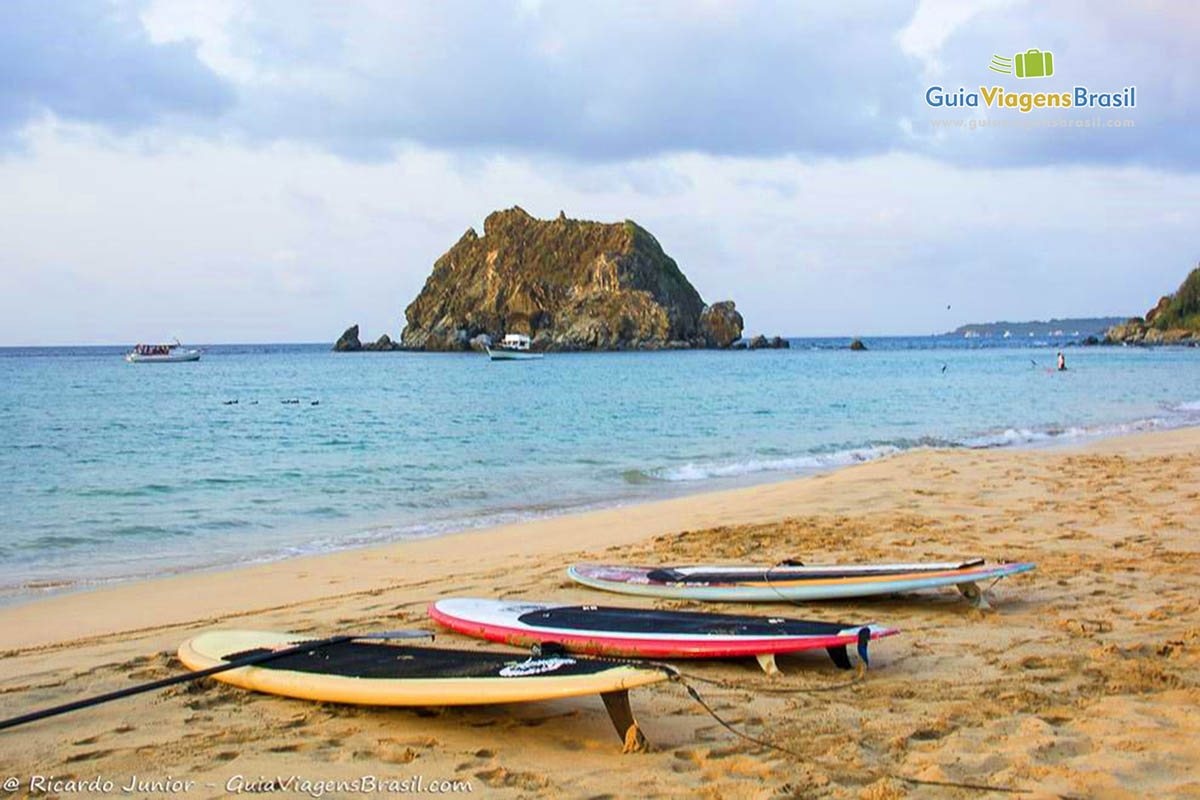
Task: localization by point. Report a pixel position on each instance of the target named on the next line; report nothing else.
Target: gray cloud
(601, 82)
(93, 62)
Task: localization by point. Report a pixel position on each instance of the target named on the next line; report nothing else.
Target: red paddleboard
(650, 633)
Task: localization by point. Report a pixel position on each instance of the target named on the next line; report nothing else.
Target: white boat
(514, 347)
(161, 354)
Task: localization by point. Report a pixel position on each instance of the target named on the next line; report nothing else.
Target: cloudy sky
(273, 171)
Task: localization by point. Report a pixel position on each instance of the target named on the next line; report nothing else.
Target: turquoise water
(115, 471)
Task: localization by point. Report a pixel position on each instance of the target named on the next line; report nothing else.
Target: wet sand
(1081, 681)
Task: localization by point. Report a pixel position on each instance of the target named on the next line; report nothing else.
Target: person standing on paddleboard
(1062, 362)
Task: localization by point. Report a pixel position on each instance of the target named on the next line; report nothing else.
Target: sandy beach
(1082, 680)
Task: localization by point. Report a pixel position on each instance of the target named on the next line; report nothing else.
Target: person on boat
(1062, 362)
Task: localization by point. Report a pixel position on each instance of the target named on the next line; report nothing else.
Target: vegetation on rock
(1174, 319)
(568, 284)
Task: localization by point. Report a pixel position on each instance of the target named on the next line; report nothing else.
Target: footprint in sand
(500, 778)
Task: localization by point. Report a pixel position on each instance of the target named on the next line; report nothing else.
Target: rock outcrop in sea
(1175, 319)
(721, 324)
(569, 285)
(349, 342)
(761, 342)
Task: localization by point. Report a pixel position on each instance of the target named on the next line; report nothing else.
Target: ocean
(115, 471)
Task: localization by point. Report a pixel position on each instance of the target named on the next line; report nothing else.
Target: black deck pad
(365, 660)
(780, 573)
(636, 620)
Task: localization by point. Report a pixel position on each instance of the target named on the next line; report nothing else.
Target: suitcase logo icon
(1032, 63)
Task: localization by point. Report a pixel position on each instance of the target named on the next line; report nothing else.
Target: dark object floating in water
(857, 344)
(315, 403)
(293, 402)
(229, 403)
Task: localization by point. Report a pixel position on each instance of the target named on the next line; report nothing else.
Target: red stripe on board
(610, 645)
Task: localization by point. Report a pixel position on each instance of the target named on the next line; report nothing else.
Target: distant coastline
(1069, 326)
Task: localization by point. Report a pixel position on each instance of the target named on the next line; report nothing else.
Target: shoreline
(1058, 689)
(705, 508)
(39, 590)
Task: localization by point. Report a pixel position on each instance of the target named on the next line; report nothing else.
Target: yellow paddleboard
(371, 673)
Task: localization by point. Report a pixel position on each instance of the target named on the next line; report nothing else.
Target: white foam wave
(1020, 436)
(841, 458)
(1009, 437)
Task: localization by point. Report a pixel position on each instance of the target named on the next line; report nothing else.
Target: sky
(276, 170)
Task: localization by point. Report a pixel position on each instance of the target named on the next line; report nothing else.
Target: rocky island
(568, 284)
(349, 342)
(1175, 319)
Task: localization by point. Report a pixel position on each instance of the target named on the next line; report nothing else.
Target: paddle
(303, 647)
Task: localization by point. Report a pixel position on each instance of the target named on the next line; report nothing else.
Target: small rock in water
(348, 342)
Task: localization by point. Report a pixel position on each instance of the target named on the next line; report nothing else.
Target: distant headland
(1175, 319)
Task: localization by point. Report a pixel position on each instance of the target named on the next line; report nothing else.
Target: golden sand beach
(1082, 681)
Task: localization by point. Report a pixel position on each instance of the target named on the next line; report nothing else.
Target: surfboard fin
(767, 662)
(974, 595)
(617, 705)
(864, 639)
(839, 655)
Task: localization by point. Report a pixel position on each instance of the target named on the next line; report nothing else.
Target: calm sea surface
(114, 471)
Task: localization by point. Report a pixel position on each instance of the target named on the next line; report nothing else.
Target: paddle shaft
(54, 711)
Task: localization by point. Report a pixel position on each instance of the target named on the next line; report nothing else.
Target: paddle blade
(410, 633)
